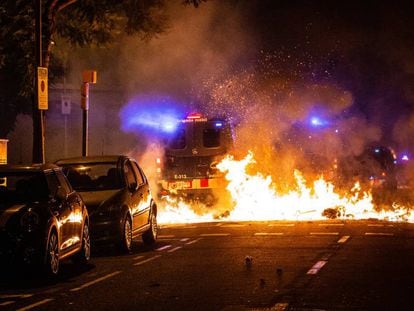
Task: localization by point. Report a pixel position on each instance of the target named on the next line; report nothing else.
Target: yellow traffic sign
(42, 88)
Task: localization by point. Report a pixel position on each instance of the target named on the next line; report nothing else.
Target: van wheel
(126, 235)
(150, 236)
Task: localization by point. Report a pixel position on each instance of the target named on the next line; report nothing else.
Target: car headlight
(29, 221)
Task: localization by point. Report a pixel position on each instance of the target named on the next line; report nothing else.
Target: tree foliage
(79, 22)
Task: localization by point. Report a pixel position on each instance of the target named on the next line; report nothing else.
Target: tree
(79, 22)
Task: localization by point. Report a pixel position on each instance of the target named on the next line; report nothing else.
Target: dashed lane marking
(36, 304)
(219, 224)
(147, 260)
(174, 249)
(163, 248)
(379, 234)
(324, 233)
(214, 234)
(15, 296)
(316, 267)
(184, 239)
(268, 233)
(343, 239)
(138, 257)
(192, 242)
(95, 281)
(6, 303)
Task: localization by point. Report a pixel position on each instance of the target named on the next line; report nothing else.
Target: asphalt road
(351, 265)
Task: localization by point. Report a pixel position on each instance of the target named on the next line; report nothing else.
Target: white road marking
(219, 224)
(343, 239)
(268, 233)
(174, 249)
(34, 305)
(192, 242)
(281, 225)
(184, 240)
(163, 248)
(324, 233)
(316, 267)
(138, 257)
(166, 236)
(147, 260)
(375, 225)
(6, 303)
(15, 296)
(331, 225)
(95, 281)
(379, 233)
(214, 234)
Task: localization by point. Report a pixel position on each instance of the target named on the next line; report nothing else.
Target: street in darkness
(318, 265)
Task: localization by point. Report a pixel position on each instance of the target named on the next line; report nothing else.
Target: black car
(42, 219)
(118, 197)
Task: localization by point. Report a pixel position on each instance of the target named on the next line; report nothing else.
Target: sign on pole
(42, 88)
(66, 104)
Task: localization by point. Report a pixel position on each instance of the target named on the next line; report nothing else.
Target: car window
(27, 187)
(211, 138)
(129, 174)
(137, 171)
(93, 176)
(64, 182)
(179, 140)
(53, 182)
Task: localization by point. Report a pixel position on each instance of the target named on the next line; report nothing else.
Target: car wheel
(150, 236)
(85, 253)
(52, 255)
(126, 235)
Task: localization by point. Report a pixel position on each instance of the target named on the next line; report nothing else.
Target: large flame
(254, 197)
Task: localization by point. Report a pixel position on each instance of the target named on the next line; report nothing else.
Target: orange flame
(254, 198)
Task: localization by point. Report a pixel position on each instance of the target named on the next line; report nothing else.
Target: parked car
(118, 197)
(42, 219)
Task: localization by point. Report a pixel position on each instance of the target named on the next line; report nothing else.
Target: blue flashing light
(151, 115)
(219, 124)
(405, 157)
(377, 150)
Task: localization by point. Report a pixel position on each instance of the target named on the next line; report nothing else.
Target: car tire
(150, 236)
(51, 264)
(83, 256)
(125, 244)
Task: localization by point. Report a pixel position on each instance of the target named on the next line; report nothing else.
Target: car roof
(29, 168)
(91, 159)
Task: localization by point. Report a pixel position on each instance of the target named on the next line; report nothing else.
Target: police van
(187, 168)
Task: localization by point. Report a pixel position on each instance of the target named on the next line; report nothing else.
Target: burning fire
(254, 198)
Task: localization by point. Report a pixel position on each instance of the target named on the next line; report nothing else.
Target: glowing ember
(254, 198)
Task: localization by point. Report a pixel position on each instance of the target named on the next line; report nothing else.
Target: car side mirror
(61, 194)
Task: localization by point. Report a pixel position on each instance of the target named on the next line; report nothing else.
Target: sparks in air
(254, 198)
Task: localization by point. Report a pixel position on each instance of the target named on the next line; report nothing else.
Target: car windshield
(93, 176)
(22, 188)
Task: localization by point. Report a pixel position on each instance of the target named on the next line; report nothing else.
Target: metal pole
(85, 108)
(65, 149)
(85, 134)
(38, 116)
